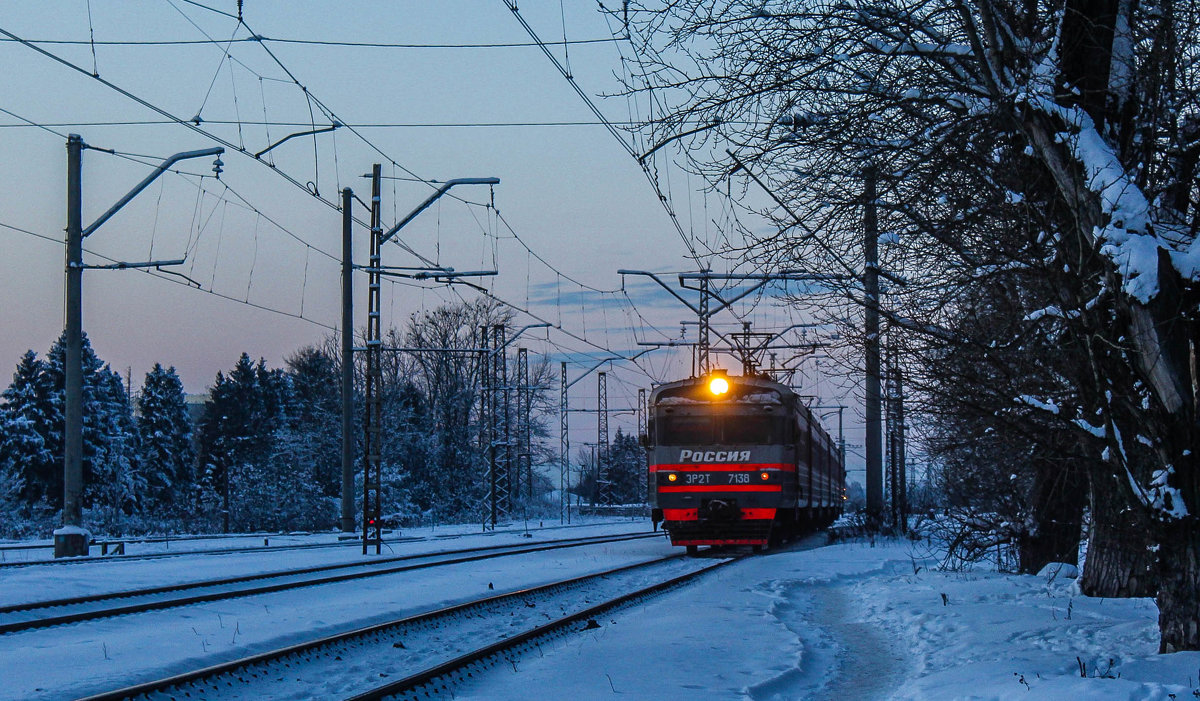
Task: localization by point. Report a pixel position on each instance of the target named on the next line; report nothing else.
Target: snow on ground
(72, 660)
(852, 621)
(42, 550)
(848, 621)
(95, 576)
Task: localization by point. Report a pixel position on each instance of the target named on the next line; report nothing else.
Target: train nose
(719, 510)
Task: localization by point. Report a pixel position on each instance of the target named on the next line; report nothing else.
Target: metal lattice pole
(602, 454)
(524, 399)
(564, 450)
(705, 320)
(373, 421)
(500, 413)
(643, 437)
(487, 429)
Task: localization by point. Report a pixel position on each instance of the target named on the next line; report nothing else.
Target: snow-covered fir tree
(165, 434)
(626, 470)
(315, 416)
(111, 479)
(254, 466)
(30, 436)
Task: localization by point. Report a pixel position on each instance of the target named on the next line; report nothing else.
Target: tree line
(1031, 168)
(264, 453)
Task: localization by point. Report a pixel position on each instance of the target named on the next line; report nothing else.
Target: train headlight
(765, 476)
(672, 477)
(718, 386)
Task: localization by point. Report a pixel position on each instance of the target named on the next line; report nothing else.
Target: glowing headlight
(718, 386)
(765, 476)
(672, 477)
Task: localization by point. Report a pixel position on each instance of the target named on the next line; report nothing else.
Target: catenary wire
(172, 278)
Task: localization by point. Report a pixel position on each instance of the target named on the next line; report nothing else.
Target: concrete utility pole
(69, 544)
(895, 444)
(72, 539)
(874, 449)
(347, 362)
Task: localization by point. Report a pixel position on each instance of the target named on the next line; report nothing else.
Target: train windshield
(754, 429)
(734, 429)
(685, 430)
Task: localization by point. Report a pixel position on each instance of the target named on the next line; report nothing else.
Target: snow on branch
(1164, 498)
(1036, 403)
(1127, 237)
(1051, 311)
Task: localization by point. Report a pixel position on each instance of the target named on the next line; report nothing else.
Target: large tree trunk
(1058, 498)
(1179, 554)
(1120, 558)
(1179, 595)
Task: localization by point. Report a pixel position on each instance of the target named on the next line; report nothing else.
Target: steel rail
(483, 553)
(421, 682)
(158, 556)
(242, 665)
(227, 551)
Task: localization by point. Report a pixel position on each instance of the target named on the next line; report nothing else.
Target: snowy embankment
(853, 621)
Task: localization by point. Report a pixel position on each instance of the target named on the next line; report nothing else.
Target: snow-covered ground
(853, 621)
(848, 621)
(42, 550)
(95, 576)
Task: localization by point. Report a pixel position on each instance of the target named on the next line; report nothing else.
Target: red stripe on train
(694, 515)
(723, 541)
(716, 488)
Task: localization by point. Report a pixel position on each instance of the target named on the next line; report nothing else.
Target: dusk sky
(265, 251)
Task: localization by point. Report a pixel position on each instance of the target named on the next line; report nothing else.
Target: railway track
(227, 551)
(424, 653)
(32, 615)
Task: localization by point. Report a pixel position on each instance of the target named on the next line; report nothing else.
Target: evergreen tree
(165, 433)
(30, 449)
(316, 416)
(256, 463)
(32, 446)
(117, 484)
(626, 470)
(231, 432)
(111, 478)
(411, 482)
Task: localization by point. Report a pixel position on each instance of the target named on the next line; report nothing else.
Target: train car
(739, 461)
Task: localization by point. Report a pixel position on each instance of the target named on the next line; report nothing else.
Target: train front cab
(722, 468)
